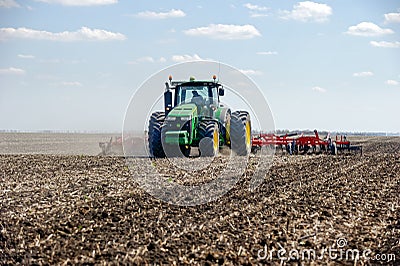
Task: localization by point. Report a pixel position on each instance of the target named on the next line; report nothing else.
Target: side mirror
(167, 102)
(221, 92)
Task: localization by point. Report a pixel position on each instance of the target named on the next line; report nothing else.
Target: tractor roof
(210, 83)
(193, 82)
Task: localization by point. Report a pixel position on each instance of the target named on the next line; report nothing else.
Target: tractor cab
(203, 94)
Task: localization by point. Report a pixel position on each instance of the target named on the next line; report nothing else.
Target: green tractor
(194, 117)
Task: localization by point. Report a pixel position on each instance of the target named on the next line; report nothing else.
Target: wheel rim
(215, 140)
(248, 135)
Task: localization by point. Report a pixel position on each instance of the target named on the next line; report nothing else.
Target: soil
(80, 209)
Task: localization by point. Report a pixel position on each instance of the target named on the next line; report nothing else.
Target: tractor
(194, 116)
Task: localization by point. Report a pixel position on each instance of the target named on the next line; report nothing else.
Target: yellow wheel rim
(248, 134)
(215, 138)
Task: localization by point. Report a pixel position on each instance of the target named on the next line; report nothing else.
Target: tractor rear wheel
(209, 138)
(154, 135)
(240, 133)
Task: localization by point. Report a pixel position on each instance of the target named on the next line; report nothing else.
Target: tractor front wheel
(209, 138)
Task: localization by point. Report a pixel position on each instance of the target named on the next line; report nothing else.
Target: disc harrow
(296, 143)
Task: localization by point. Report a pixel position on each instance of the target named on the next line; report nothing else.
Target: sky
(74, 65)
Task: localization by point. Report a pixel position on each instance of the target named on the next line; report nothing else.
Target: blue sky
(73, 65)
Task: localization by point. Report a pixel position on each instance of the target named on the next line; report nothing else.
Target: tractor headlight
(170, 118)
(186, 118)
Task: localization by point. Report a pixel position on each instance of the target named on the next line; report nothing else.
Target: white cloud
(392, 18)
(162, 60)
(186, 58)
(363, 74)
(392, 82)
(256, 11)
(225, 32)
(368, 29)
(318, 89)
(80, 2)
(173, 13)
(8, 3)
(251, 72)
(308, 11)
(255, 7)
(384, 44)
(267, 53)
(26, 56)
(12, 71)
(83, 34)
(257, 15)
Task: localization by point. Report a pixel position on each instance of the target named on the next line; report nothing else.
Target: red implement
(294, 144)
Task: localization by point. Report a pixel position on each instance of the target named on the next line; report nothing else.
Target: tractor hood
(184, 110)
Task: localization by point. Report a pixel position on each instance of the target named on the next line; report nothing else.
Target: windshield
(188, 93)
